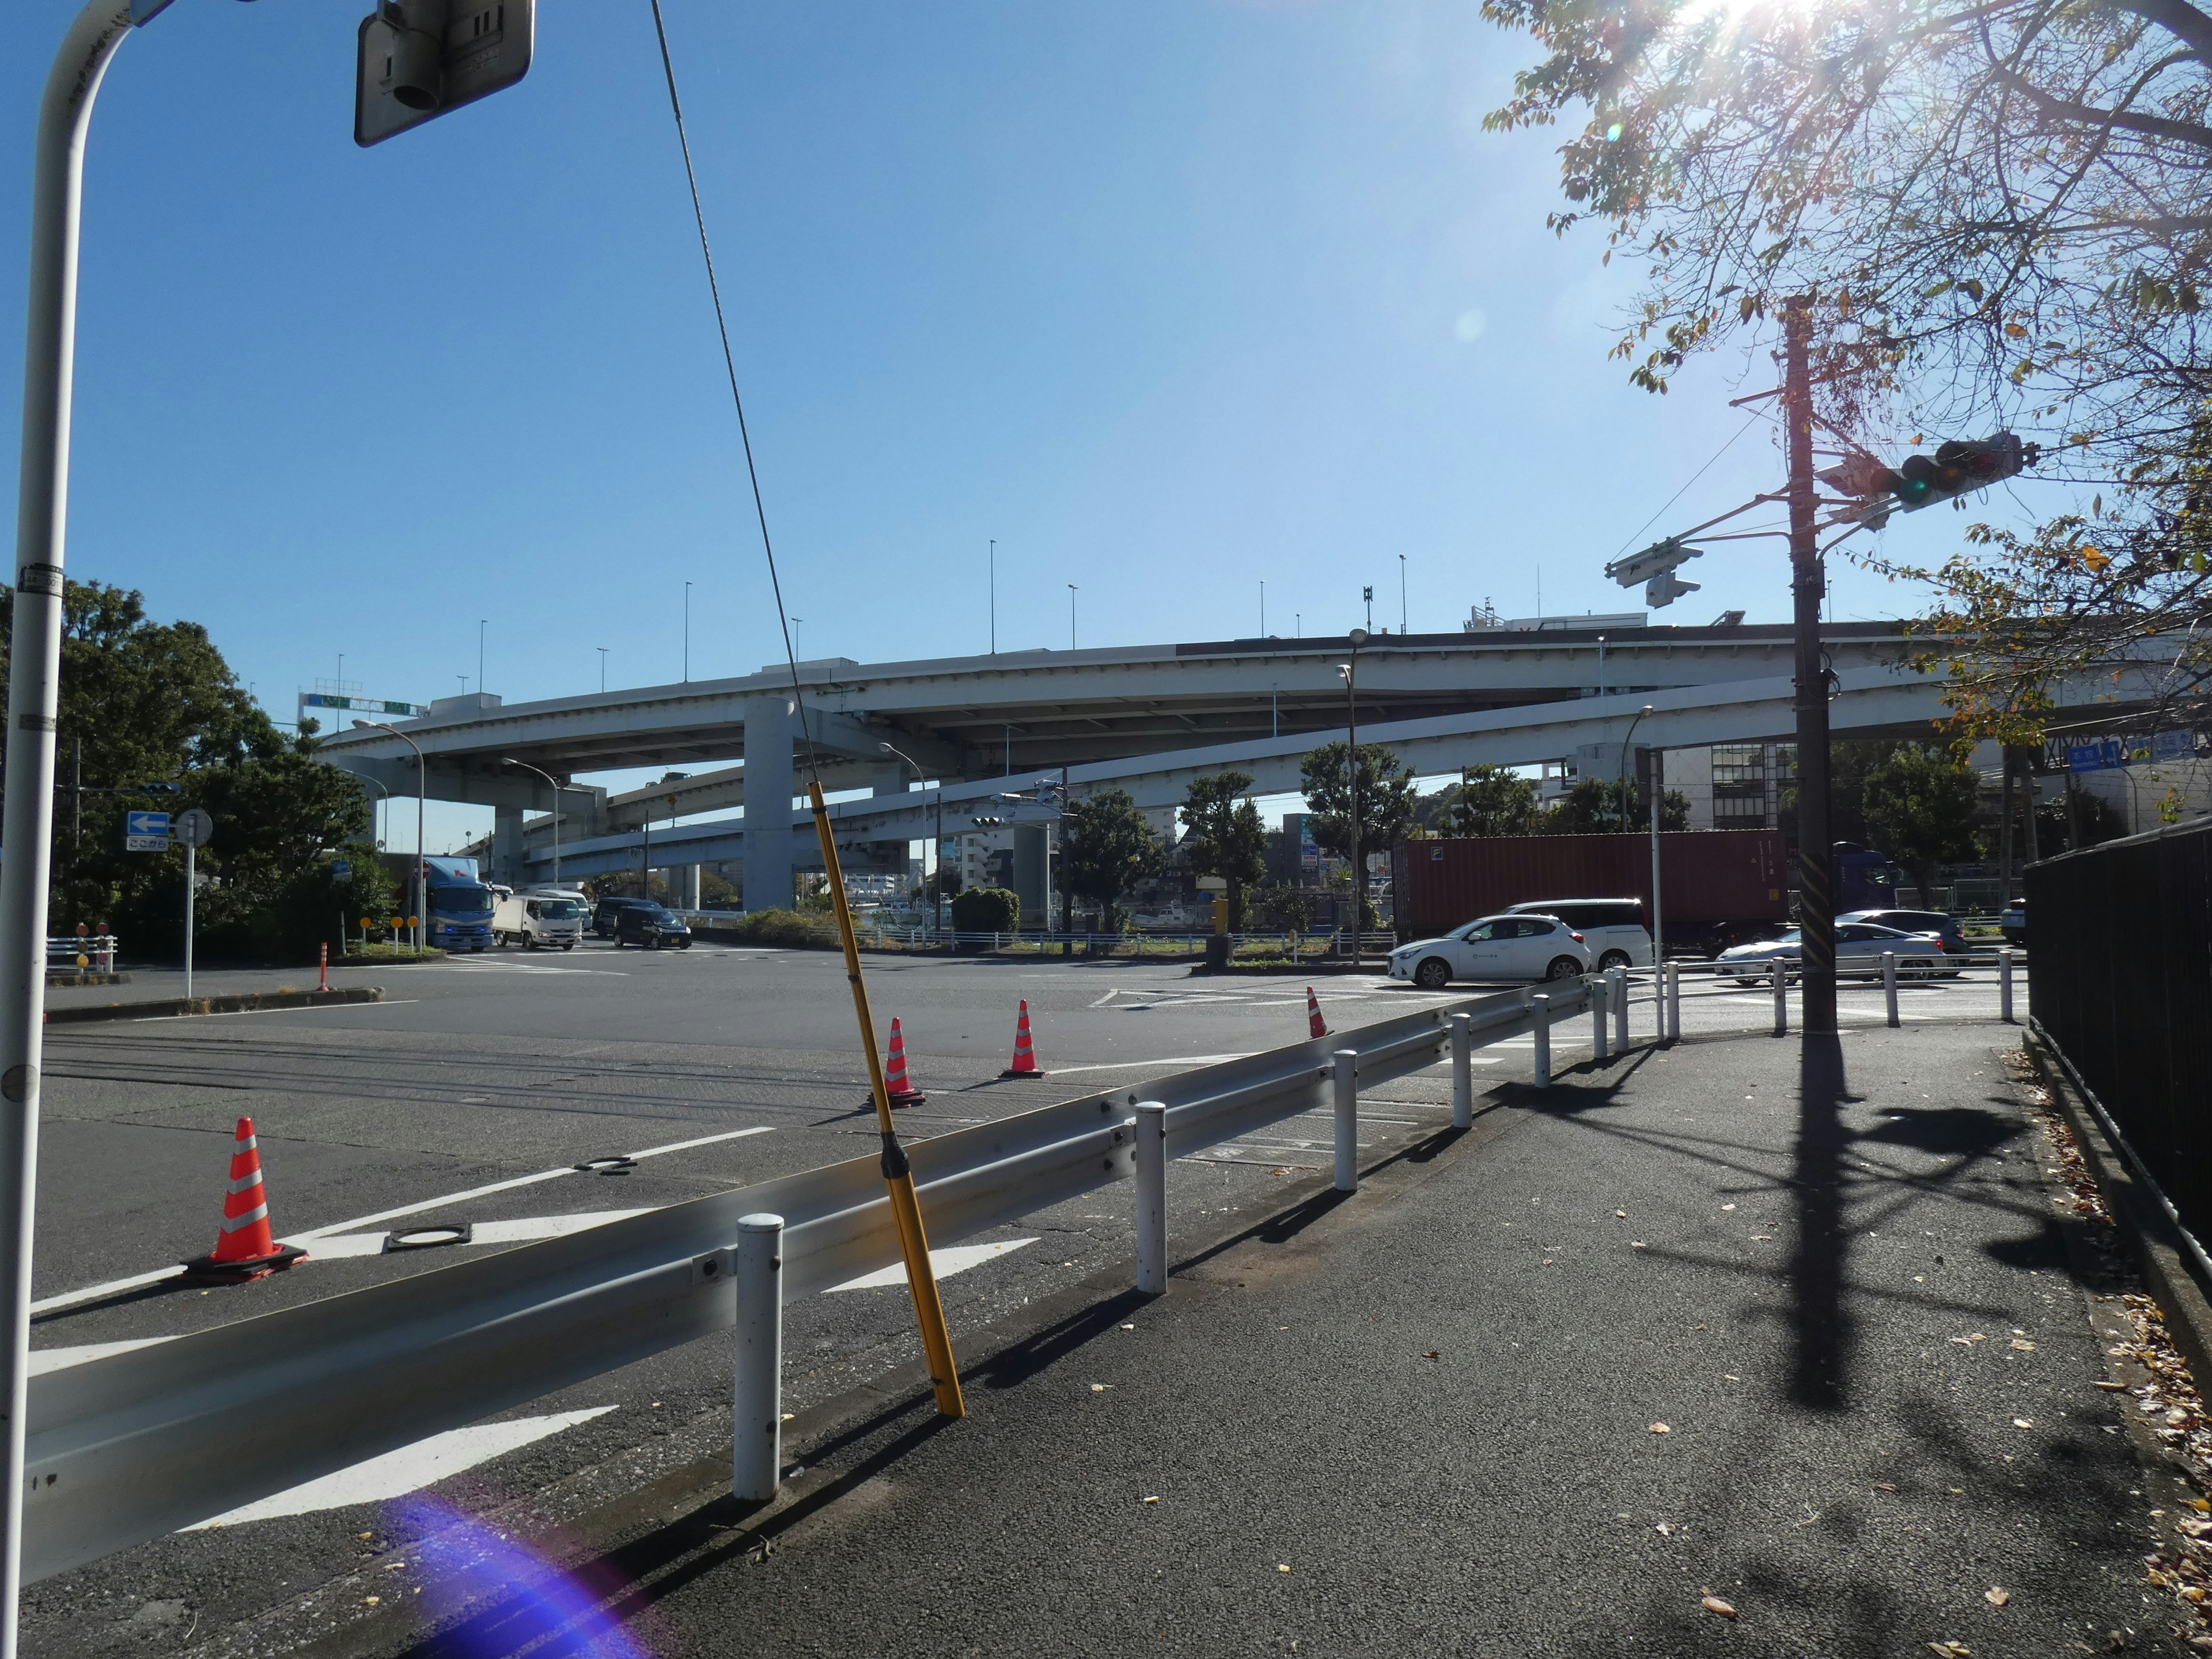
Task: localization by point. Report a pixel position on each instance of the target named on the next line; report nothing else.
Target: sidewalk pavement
(1664, 1361)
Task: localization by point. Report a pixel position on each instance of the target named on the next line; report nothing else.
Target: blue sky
(1169, 298)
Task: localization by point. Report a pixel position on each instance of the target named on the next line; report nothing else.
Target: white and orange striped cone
(1024, 1054)
(1315, 1025)
(895, 1083)
(244, 1248)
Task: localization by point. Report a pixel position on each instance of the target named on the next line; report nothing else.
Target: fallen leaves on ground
(1996, 1597)
(1885, 1486)
(2023, 1345)
(1712, 1604)
(1969, 1340)
(1951, 1649)
(1434, 1353)
(2023, 1423)
(1660, 1428)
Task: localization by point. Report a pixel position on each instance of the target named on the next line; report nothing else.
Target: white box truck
(553, 919)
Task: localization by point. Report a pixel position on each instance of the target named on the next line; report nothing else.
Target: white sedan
(1494, 948)
(1859, 949)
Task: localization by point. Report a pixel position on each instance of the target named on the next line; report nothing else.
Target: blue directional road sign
(145, 832)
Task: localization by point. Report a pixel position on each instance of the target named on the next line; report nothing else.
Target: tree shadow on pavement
(1820, 1329)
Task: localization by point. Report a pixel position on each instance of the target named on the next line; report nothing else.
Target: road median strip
(240, 1002)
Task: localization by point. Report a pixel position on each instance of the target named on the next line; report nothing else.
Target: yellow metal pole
(898, 1176)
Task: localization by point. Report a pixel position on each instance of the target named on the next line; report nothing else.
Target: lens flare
(512, 1599)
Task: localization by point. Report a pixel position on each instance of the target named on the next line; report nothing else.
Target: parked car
(1948, 929)
(2012, 923)
(1508, 947)
(1859, 948)
(607, 910)
(652, 926)
(1614, 927)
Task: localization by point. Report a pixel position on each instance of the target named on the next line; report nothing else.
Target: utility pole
(994, 596)
(482, 624)
(1404, 627)
(1350, 672)
(1809, 583)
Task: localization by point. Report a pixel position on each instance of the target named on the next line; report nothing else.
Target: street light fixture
(556, 789)
(421, 794)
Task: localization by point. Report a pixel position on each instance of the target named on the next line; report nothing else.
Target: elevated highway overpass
(1146, 718)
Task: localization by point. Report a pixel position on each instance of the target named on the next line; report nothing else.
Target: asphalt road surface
(716, 1067)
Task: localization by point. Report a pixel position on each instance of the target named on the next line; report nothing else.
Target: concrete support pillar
(507, 866)
(769, 816)
(683, 887)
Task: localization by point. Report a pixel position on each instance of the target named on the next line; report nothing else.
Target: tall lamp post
(1620, 788)
(936, 877)
(421, 792)
(1349, 671)
(556, 789)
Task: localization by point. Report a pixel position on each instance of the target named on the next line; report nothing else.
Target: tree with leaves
(1108, 848)
(1386, 799)
(1921, 805)
(1611, 807)
(1223, 836)
(1996, 215)
(1490, 800)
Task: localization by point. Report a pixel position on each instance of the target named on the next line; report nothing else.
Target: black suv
(651, 925)
(605, 913)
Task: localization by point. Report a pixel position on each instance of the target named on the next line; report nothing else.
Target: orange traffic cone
(903, 1092)
(244, 1248)
(1025, 1056)
(1315, 1025)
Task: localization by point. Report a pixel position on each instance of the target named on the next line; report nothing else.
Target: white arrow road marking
(408, 1469)
(94, 1292)
(953, 1259)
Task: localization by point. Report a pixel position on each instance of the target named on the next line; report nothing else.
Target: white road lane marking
(1135, 1065)
(953, 1259)
(115, 1286)
(60, 1359)
(1108, 997)
(408, 1469)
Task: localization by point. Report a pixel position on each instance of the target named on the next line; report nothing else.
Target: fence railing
(91, 952)
(2122, 938)
(133, 1445)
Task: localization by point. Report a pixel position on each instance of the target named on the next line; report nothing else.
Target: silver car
(1859, 949)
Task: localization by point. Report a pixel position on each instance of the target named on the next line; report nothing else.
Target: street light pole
(1070, 615)
(483, 622)
(421, 792)
(33, 684)
(1350, 672)
(556, 789)
(687, 633)
(602, 650)
(937, 876)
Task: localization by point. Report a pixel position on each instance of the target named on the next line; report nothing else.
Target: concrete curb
(243, 1002)
(2135, 1208)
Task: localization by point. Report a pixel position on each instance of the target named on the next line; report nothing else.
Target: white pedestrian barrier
(1540, 1029)
(1674, 972)
(1781, 999)
(1347, 1120)
(756, 1437)
(1617, 993)
(1153, 1198)
(2004, 984)
(1598, 991)
(1462, 1047)
(1889, 984)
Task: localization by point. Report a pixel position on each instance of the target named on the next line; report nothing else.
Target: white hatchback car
(1508, 947)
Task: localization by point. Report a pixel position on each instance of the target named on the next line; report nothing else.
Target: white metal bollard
(1152, 1198)
(2004, 983)
(1673, 1033)
(1347, 1120)
(1781, 999)
(1540, 1008)
(1463, 1039)
(1618, 994)
(1597, 990)
(1889, 984)
(756, 1451)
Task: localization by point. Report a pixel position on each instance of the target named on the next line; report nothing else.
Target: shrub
(986, 910)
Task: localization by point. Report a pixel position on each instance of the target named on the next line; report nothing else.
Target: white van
(534, 919)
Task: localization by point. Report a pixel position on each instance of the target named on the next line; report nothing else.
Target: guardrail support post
(1889, 984)
(1618, 992)
(1152, 1198)
(1347, 1120)
(1781, 999)
(2004, 983)
(756, 1462)
(1674, 1015)
(1597, 1000)
(1540, 1028)
(1462, 1045)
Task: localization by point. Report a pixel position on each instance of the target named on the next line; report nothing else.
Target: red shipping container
(1709, 878)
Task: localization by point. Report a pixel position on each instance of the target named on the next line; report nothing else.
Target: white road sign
(194, 827)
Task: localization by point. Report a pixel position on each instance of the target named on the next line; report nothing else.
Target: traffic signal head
(1959, 467)
(1665, 588)
(1655, 561)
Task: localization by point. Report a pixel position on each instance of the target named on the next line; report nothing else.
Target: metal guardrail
(129, 1447)
(1317, 946)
